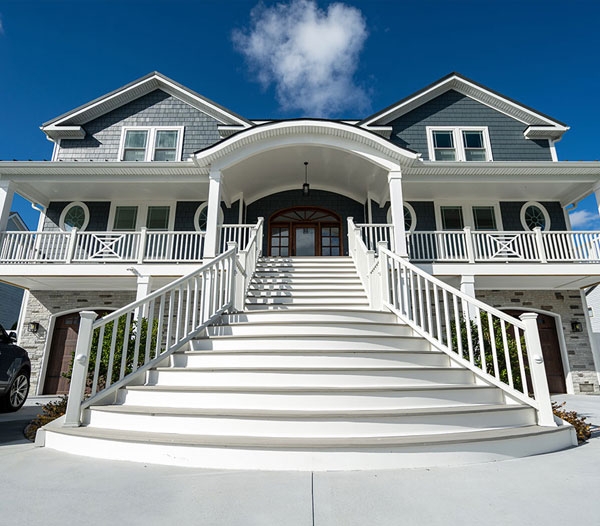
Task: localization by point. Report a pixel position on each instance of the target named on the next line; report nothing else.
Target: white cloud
(1, 26)
(584, 220)
(310, 55)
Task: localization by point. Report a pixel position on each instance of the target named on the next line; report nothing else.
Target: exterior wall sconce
(576, 326)
(305, 186)
(33, 326)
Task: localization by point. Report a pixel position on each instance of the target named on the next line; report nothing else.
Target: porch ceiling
(328, 169)
(567, 182)
(43, 182)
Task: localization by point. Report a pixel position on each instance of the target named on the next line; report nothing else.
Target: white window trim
(458, 141)
(542, 208)
(203, 206)
(151, 140)
(63, 214)
(467, 210)
(142, 214)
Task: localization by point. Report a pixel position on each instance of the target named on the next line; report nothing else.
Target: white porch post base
(537, 369)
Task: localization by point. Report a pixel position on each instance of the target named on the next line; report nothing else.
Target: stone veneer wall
(567, 304)
(42, 304)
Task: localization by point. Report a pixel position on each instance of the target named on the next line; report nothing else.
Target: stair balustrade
(498, 348)
(120, 348)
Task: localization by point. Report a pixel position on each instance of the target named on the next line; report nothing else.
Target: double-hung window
(156, 143)
(451, 143)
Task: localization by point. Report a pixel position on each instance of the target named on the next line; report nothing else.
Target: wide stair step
(308, 377)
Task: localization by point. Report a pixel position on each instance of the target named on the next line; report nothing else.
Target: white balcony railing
(144, 246)
(483, 247)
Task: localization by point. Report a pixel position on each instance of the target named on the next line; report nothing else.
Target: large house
(458, 182)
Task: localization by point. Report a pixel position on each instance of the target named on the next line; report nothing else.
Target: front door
(550, 351)
(305, 240)
(64, 341)
(305, 231)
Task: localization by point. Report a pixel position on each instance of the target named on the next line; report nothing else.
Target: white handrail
(135, 338)
(496, 347)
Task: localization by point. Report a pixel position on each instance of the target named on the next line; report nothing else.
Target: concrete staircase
(308, 378)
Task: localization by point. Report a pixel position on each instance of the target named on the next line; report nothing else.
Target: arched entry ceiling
(270, 158)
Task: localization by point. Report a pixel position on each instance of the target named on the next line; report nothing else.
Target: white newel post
(539, 241)
(467, 286)
(7, 193)
(239, 281)
(211, 240)
(144, 288)
(397, 209)
(80, 366)
(469, 244)
(537, 370)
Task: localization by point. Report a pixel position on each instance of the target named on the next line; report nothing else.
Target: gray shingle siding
(103, 135)
(10, 306)
(511, 215)
(99, 211)
(424, 212)
(454, 109)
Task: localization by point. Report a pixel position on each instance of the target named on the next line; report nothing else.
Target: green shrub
(487, 337)
(119, 346)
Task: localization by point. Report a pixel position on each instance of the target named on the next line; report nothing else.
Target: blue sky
(56, 55)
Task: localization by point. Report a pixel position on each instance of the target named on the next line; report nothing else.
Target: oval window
(201, 216)
(75, 215)
(534, 215)
(410, 218)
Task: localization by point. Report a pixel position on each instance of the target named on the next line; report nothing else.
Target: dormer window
(448, 143)
(157, 143)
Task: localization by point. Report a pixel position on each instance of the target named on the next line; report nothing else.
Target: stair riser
(332, 317)
(306, 290)
(297, 295)
(325, 459)
(312, 360)
(309, 330)
(362, 343)
(191, 378)
(351, 425)
(311, 299)
(310, 399)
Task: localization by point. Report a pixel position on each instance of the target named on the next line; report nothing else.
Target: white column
(597, 194)
(467, 286)
(7, 192)
(397, 209)
(211, 241)
(144, 287)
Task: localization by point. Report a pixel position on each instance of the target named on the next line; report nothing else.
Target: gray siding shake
(103, 135)
(511, 215)
(455, 109)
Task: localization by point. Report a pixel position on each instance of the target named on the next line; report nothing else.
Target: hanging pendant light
(305, 186)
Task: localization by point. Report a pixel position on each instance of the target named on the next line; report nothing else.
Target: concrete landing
(41, 486)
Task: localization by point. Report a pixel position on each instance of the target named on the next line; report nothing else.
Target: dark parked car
(15, 369)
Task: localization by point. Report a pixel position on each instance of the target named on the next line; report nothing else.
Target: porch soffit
(42, 182)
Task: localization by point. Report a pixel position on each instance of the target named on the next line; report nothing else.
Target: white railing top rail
(160, 292)
(459, 294)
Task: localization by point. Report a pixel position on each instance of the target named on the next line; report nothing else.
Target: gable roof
(69, 125)
(541, 125)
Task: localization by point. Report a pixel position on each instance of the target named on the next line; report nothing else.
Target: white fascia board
(553, 133)
(138, 89)
(469, 89)
(55, 133)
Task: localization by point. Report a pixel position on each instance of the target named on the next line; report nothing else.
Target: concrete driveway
(40, 486)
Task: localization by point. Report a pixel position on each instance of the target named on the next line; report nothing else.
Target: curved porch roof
(270, 158)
